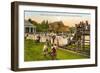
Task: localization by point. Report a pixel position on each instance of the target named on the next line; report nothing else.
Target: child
(53, 52)
(45, 50)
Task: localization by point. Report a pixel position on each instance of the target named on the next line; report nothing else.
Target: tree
(43, 26)
(30, 20)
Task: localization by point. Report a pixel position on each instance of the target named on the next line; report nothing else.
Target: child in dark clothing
(53, 52)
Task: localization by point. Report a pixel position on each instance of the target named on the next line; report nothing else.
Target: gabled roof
(27, 23)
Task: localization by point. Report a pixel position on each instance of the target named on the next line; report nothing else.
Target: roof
(27, 24)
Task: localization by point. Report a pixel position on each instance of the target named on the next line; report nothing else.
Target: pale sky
(69, 19)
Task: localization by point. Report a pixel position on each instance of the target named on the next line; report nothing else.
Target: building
(29, 27)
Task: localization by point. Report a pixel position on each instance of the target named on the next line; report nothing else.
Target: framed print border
(15, 33)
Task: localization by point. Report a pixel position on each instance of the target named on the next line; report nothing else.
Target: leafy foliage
(43, 26)
(40, 27)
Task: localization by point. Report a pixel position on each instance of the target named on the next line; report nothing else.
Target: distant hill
(58, 26)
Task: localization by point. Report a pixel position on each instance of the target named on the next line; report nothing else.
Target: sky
(68, 18)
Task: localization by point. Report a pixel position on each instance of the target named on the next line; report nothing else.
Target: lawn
(33, 52)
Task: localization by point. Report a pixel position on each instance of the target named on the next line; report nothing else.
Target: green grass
(61, 54)
(33, 52)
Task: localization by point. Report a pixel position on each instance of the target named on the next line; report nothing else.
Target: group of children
(52, 52)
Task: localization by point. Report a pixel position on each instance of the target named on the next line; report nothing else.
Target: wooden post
(83, 35)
